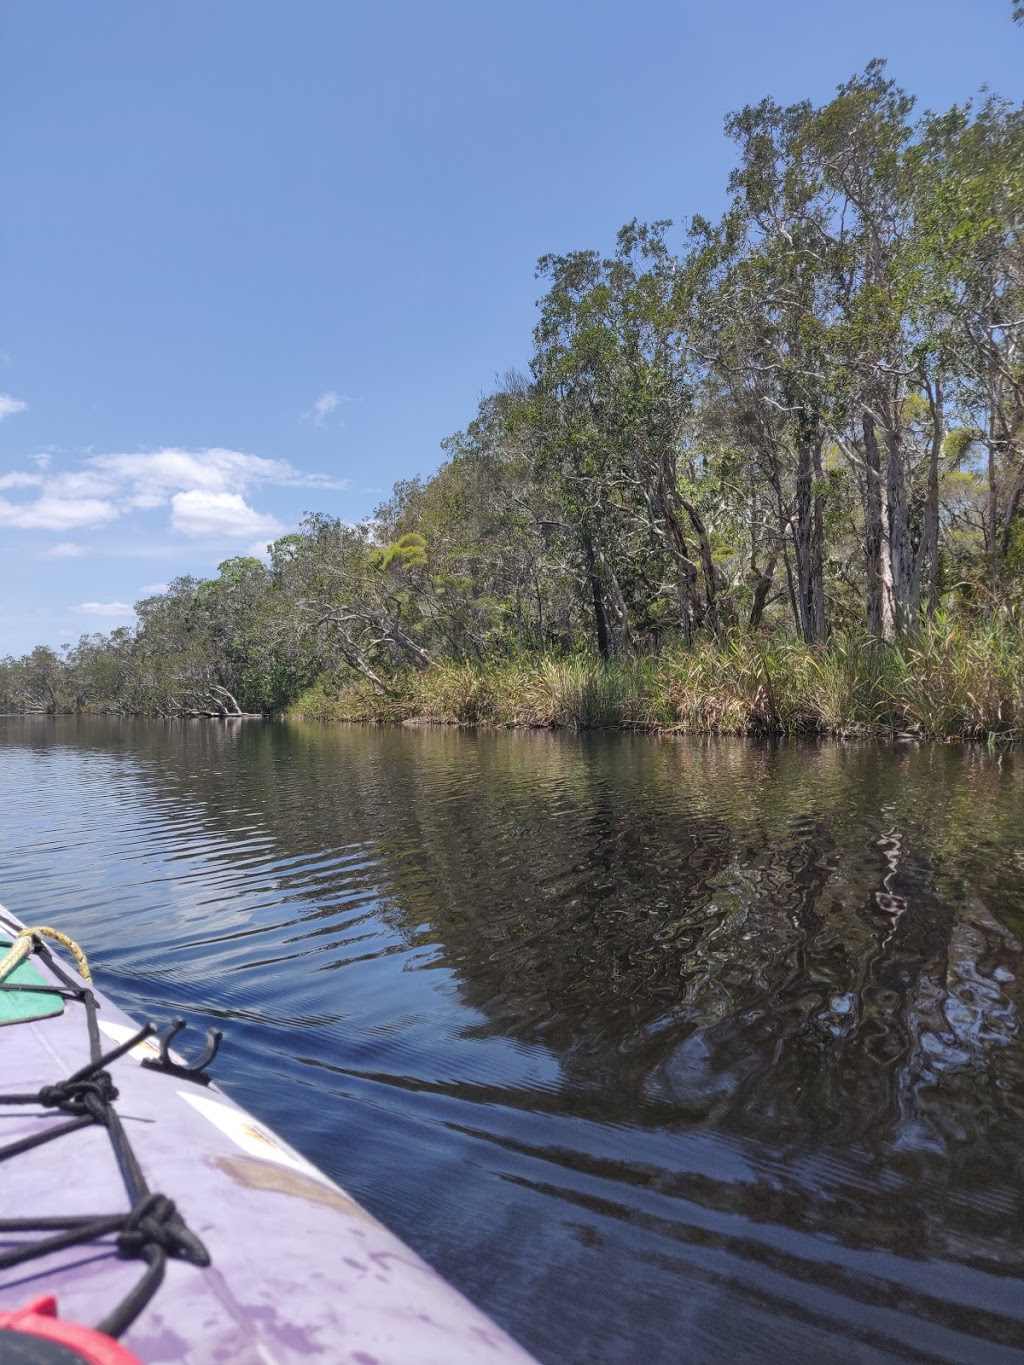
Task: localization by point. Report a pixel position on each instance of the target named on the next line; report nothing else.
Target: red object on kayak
(39, 1319)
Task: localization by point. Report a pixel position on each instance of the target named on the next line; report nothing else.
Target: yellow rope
(22, 946)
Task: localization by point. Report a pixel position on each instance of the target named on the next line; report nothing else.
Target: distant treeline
(804, 421)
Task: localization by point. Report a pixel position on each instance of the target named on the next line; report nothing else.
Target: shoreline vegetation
(764, 475)
(945, 685)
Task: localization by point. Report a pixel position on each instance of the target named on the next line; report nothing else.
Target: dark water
(663, 1052)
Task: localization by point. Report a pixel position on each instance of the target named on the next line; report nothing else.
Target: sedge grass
(948, 682)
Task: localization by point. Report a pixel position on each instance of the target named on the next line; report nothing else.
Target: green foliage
(407, 552)
(764, 474)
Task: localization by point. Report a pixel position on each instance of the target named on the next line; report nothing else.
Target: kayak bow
(156, 1209)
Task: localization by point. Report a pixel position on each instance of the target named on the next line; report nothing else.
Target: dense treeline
(802, 421)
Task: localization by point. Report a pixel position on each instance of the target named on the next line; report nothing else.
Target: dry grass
(949, 682)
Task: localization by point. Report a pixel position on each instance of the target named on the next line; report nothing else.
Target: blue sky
(259, 258)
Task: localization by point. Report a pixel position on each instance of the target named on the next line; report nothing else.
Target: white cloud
(105, 609)
(317, 481)
(153, 589)
(153, 476)
(205, 489)
(80, 484)
(323, 407)
(56, 514)
(198, 513)
(19, 479)
(9, 406)
(161, 472)
(65, 549)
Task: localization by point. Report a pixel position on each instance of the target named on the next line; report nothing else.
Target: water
(661, 1051)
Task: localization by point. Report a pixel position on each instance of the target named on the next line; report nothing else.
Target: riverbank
(947, 684)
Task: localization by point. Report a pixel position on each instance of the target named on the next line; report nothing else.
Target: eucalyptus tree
(570, 408)
(239, 611)
(811, 320)
(177, 656)
(97, 670)
(493, 586)
(359, 602)
(862, 147)
(34, 682)
(970, 220)
(763, 298)
(653, 415)
(612, 409)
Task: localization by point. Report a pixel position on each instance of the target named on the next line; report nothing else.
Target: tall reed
(949, 681)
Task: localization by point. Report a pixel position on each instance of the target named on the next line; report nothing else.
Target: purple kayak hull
(299, 1271)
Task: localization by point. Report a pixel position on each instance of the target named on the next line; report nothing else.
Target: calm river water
(674, 1051)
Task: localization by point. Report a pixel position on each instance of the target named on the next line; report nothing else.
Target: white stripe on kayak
(149, 1047)
(240, 1127)
(250, 1136)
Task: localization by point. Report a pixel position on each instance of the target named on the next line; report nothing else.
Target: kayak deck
(298, 1270)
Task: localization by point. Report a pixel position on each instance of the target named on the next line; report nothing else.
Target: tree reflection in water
(662, 1049)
